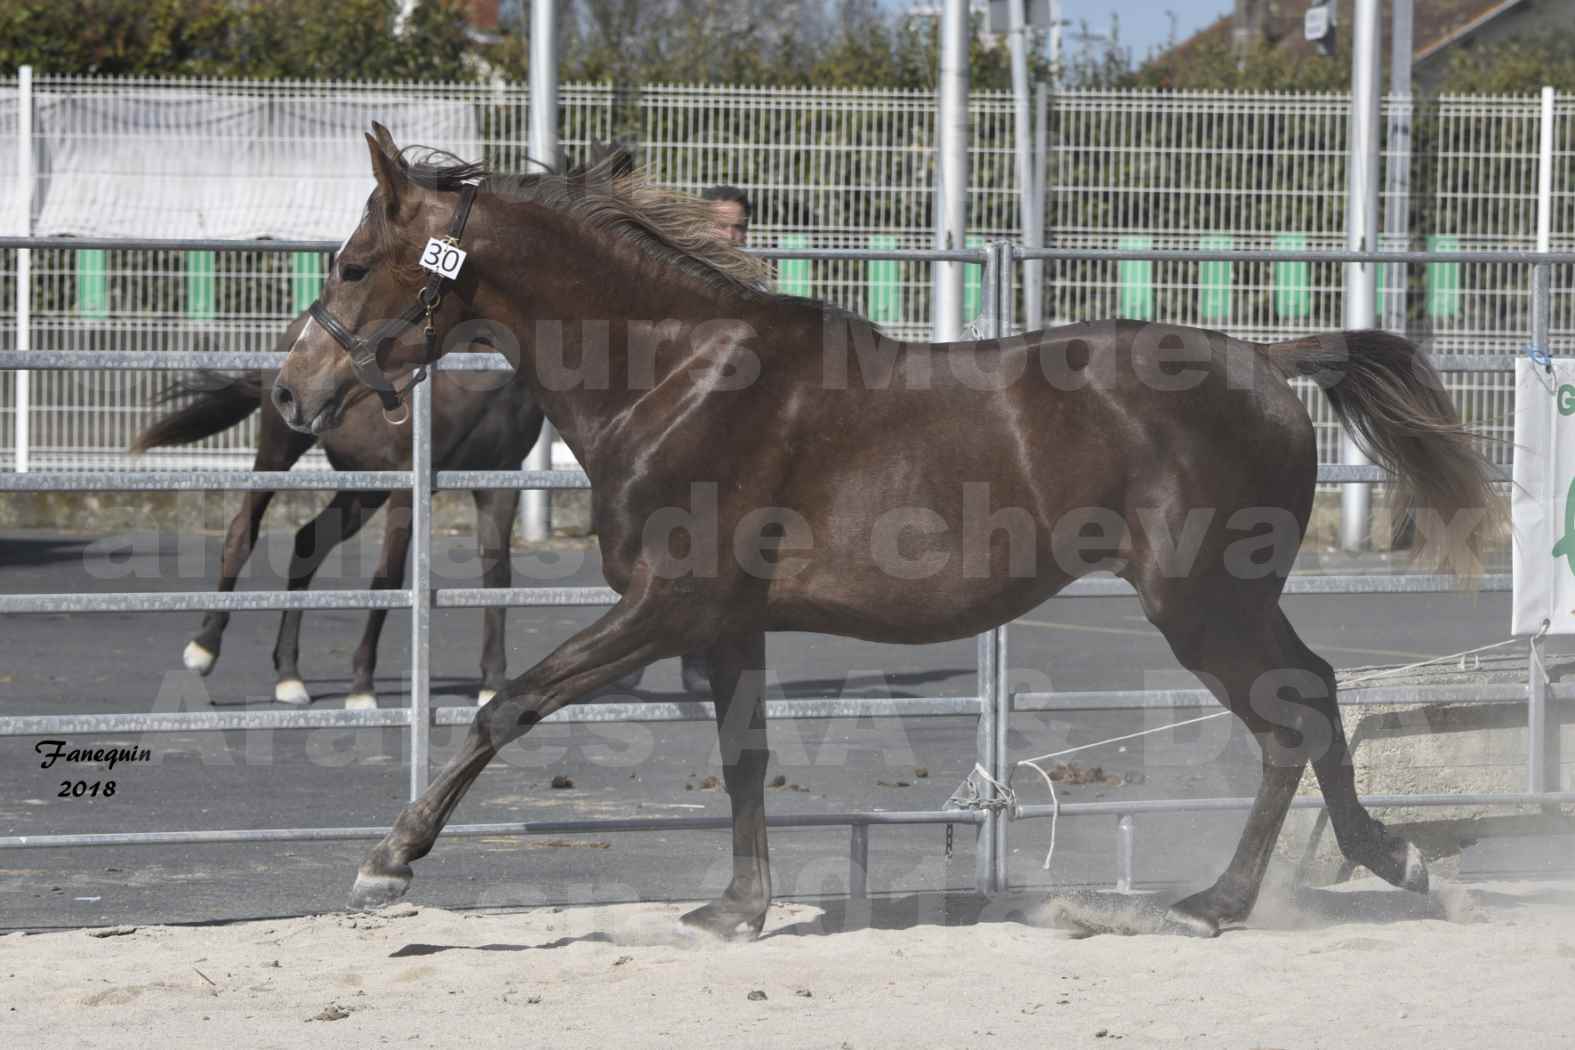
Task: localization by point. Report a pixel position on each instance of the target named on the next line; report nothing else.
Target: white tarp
(11, 224)
(199, 164)
(1543, 498)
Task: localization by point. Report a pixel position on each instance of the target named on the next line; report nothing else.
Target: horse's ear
(385, 139)
(390, 176)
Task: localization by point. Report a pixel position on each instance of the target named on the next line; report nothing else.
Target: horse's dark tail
(1393, 403)
(215, 402)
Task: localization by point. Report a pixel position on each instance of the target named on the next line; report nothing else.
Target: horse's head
(392, 296)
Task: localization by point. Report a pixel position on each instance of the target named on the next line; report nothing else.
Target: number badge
(442, 258)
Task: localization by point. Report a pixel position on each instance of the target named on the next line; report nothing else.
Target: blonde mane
(613, 196)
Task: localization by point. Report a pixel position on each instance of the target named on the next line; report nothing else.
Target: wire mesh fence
(825, 169)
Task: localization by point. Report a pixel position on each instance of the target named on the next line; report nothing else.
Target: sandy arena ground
(1485, 966)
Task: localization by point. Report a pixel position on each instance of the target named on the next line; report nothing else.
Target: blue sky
(1145, 24)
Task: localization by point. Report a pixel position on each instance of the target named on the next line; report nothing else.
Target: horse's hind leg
(390, 575)
(1243, 658)
(278, 447)
(337, 522)
(737, 666)
(1363, 839)
(1254, 662)
(495, 511)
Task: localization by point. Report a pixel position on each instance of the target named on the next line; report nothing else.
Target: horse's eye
(351, 272)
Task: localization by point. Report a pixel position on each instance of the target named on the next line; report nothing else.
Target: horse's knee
(507, 715)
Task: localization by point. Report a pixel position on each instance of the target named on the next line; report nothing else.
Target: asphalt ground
(120, 662)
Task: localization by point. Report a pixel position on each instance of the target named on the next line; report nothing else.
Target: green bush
(307, 39)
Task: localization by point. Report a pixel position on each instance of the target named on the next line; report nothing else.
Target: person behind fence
(733, 212)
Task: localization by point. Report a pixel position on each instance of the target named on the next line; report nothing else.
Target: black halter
(363, 351)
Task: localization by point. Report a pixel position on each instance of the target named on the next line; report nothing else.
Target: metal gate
(420, 598)
(992, 705)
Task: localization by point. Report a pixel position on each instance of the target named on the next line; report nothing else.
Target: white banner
(1543, 497)
(201, 164)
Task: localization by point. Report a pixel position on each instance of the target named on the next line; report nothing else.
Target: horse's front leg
(738, 672)
(646, 624)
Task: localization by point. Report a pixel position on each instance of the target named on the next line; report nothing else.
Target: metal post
(22, 438)
(1397, 173)
(859, 861)
(536, 504)
(1545, 180)
(984, 749)
(1028, 204)
(1541, 773)
(1126, 849)
(1542, 766)
(1361, 234)
(1003, 263)
(1034, 270)
(994, 290)
(1003, 722)
(951, 171)
(420, 587)
(994, 699)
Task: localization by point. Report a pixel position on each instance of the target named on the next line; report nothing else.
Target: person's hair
(730, 193)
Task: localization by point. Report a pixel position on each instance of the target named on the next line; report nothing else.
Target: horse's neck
(614, 345)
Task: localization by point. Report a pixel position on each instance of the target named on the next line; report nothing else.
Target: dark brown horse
(481, 421)
(765, 463)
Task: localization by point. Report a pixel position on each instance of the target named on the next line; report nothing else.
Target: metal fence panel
(844, 168)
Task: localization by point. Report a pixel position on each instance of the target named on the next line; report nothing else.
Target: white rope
(1119, 739)
(1055, 802)
(1461, 656)
(1055, 811)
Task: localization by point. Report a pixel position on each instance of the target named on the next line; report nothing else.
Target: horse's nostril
(284, 400)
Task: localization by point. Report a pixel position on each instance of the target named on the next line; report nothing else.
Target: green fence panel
(1292, 280)
(973, 280)
(201, 299)
(93, 283)
(306, 278)
(1443, 280)
(793, 274)
(1136, 279)
(1214, 279)
(883, 281)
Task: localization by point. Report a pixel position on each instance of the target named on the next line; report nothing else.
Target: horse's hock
(1444, 748)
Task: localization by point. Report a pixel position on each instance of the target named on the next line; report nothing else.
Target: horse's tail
(1393, 403)
(215, 402)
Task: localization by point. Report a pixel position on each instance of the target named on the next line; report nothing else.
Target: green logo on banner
(1567, 400)
(1565, 548)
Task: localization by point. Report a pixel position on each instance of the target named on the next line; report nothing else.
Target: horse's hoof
(375, 889)
(1415, 876)
(485, 697)
(199, 658)
(361, 702)
(1399, 863)
(1415, 869)
(727, 920)
(1180, 921)
(291, 691)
